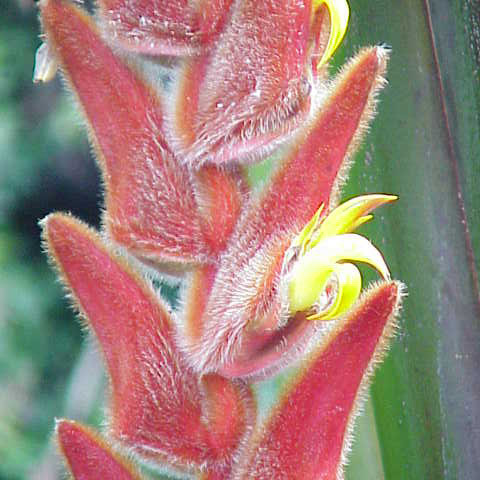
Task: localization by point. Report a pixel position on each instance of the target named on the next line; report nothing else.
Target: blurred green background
(45, 165)
(423, 421)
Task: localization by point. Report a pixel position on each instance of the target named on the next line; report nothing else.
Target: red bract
(163, 27)
(89, 456)
(177, 201)
(231, 103)
(158, 405)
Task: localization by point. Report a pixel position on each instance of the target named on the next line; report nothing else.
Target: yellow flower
(322, 281)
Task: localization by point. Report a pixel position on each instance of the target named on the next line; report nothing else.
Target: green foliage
(42, 155)
(425, 146)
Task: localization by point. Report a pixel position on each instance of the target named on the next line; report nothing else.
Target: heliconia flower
(158, 408)
(321, 280)
(268, 278)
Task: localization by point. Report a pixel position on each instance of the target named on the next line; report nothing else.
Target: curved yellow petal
(312, 271)
(350, 215)
(360, 222)
(349, 287)
(306, 284)
(303, 238)
(339, 15)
